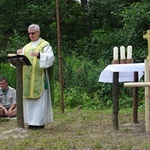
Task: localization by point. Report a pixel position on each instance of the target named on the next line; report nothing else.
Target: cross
(145, 84)
(147, 36)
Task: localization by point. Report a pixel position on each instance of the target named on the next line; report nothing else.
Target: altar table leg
(135, 99)
(115, 93)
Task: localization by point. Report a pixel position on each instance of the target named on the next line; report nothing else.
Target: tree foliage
(89, 31)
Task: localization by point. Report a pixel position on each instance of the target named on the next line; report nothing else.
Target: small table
(115, 73)
(126, 72)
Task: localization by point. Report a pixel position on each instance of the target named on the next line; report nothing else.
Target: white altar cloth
(126, 72)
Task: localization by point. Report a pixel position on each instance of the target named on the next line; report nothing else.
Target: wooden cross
(145, 84)
(147, 36)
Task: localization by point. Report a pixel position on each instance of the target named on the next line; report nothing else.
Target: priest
(37, 103)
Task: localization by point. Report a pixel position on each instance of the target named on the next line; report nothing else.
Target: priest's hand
(34, 53)
(19, 51)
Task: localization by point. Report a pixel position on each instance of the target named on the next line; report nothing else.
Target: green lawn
(78, 129)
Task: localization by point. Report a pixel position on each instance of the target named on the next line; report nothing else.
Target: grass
(78, 129)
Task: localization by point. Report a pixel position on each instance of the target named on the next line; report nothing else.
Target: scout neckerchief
(5, 92)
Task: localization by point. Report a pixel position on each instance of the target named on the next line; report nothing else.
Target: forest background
(89, 31)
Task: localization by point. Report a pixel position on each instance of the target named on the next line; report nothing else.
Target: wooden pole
(115, 93)
(51, 79)
(59, 56)
(135, 95)
(19, 95)
(135, 99)
(137, 84)
(115, 101)
(147, 97)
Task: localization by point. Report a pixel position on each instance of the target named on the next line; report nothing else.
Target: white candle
(129, 52)
(122, 52)
(115, 53)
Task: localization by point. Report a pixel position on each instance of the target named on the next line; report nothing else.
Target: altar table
(126, 72)
(115, 73)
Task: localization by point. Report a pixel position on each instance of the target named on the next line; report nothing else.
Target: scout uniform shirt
(8, 97)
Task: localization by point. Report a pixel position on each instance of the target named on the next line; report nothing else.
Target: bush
(9, 72)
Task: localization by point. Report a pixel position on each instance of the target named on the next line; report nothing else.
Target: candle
(115, 53)
(129, 52)
(122, 52)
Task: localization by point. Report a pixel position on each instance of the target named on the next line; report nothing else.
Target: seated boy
(7, 99)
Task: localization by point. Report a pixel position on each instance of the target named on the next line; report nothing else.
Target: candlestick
(129, 52)
(115, 53)
(122, 52)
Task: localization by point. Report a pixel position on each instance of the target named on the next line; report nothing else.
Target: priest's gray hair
(35, 26)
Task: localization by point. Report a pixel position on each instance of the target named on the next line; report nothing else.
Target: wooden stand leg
(19, 89)
(115, 93)
(135, 99)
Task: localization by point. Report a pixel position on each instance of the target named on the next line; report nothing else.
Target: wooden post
(135, 99)
(115, 101)
(51, 79)
(59, 56)
(135, 95)
(147, 89)
(115, 93)
(147, 97)
(19, 89)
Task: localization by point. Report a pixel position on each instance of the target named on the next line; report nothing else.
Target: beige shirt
(8, 97)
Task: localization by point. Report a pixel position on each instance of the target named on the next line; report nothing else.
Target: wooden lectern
(18, 61)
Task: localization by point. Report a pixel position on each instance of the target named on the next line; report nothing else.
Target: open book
(15, 58)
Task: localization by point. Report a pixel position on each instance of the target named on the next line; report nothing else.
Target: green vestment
(33, 76)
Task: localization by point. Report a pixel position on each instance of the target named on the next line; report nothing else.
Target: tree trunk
(84, 5)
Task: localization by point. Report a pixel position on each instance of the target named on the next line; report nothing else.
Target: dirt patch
(134, 127)
(15, 133)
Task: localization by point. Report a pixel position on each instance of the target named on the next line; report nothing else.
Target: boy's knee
(2, 113)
